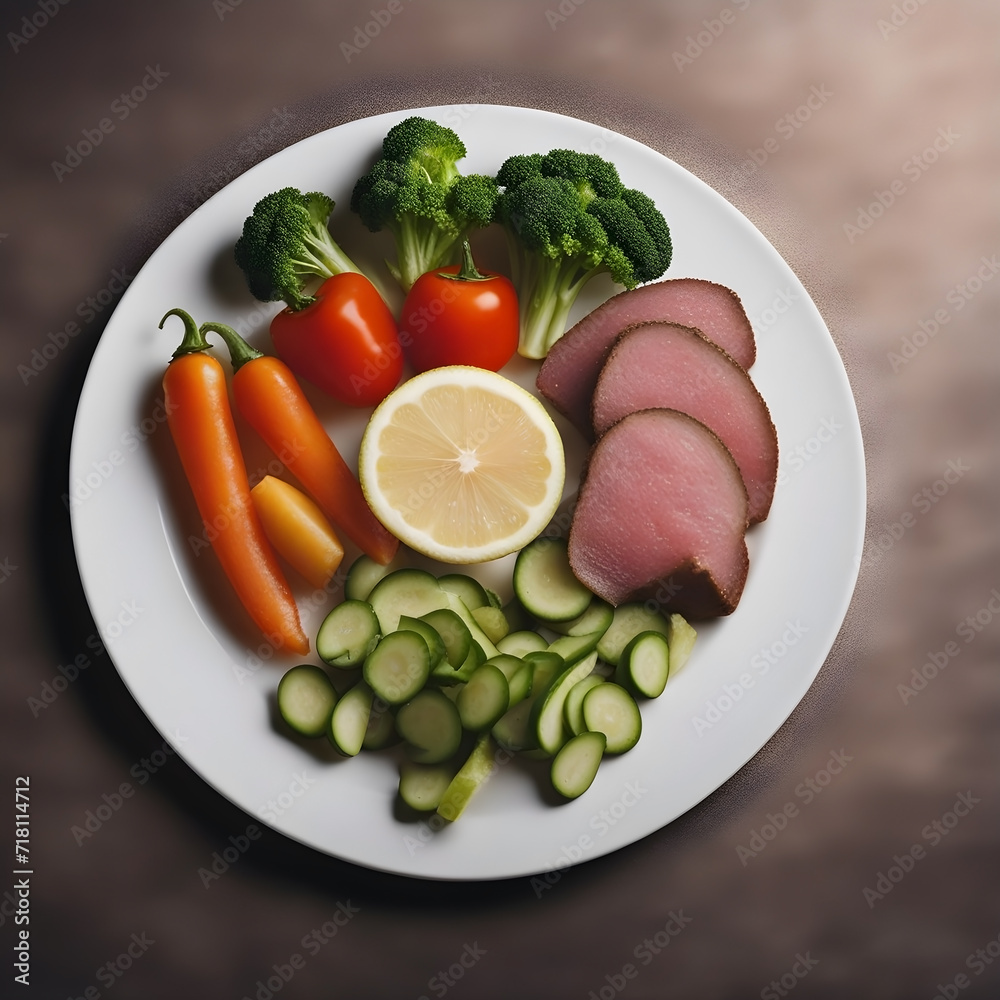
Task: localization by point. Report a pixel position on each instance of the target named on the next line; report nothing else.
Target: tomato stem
(468, 270)
(240, 352)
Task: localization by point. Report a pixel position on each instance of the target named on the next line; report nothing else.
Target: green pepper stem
(240, 352)
(468, 270)
(194, 340)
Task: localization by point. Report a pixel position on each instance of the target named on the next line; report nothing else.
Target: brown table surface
(911, 303)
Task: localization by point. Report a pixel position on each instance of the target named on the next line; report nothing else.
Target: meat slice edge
(672, 366)
(661, 514)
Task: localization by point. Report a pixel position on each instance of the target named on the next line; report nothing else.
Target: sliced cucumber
(547, 667)
(430, 635)
(681, 639)
(411, 592)
(597, 618)
(516, 616)
(492, 621)
(551, 730)
(422, 786)
(519, 643)
(363, 575)
(575, 766)
(644, 665)
(454, 634)
(514, 731)
(348, 634)
(306, 699)
(629, 620)
(458, 606)
(381, 730)
(518, 674)
(608, 708)
(472, 592)
(484, 699)
(431, 725)
(398, 667)
(573, 709)
(445, 674)
(545, 584)
(349, 721)
(480, 764)
(575, 647)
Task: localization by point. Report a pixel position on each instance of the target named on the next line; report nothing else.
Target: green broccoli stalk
(286, 245)
(567, 217)
(416, 192)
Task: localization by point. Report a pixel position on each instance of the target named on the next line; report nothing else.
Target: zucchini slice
(484, 698)
(422, 786)
(431, 725)
(349, 721)
(363, 575)
(306, 699)
(519, 643)
(411, 592)
(398, 667)
(492, 621)
(430, 635)
(597, 618)
(551, 730)
(628, 621)
(644, 665)
(454, 634)
(608, 708)
(681, 638)
(575, 647)
(471, 591)
(575, 766)
(545, 584)
(480, 764)
(348, 634)
(573, 709)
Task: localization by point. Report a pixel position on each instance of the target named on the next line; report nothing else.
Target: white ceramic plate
(190, 658)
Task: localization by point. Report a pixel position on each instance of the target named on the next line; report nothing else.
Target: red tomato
(345, 342)
(470, 318)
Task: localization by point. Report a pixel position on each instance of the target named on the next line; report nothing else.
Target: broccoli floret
(568, 216)
(286, 243)
(416, 192)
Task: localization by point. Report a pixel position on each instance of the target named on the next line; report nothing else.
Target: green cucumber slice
(629, 620)
(363, 575)
(547, 667)
(575, 647)
(608, 708)
(412, 592)
(516, 616)
(422, 786)
(430, 635)
(398, 667)
(454, 634)
(349, 721)
(514, 731)
(457, 605)
(544, 582)
(431, 725)
(445, 674)
(518, 674)
(551, 730)
(381, 730)
(471, 591)
(306, 699)
(573, 709)
(644, 665)
(348, 634)
(681, 638)
(484, 699)
(519, 643)
(575, 766)
(597, 618)
(480, 764)
(492, 621)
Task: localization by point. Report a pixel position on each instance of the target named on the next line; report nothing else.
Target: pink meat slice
(661, 515)
(666, 365)
(569, 373)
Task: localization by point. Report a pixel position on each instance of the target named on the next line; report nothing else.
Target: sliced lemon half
(462, 464)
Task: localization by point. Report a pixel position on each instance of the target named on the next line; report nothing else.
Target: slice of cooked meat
(661, 515)
(569, 373)
(666, 365)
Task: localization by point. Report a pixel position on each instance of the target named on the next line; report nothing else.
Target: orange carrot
(201, 424)
(273, 403)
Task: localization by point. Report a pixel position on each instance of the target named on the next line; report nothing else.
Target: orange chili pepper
(202, 427)
(273, 403)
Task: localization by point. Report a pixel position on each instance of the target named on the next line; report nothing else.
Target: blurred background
(842, 108)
